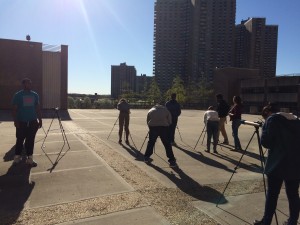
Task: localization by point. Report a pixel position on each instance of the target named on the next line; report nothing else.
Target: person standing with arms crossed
(175, 110)
(222, 109)
(27, 120)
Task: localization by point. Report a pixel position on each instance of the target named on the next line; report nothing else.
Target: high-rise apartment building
(256, 46)
(123, 79)
(191, 39)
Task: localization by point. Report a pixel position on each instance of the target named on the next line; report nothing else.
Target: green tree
(78, 103)
(179, 89)
(71, 102)
(154, 93)
(87, 103)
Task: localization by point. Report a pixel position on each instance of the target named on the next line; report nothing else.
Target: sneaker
(207, 150)
(146, 159)
(120, 141)
(215, 151)
(127, 142)
(31, 162)
(225, 142)
(173, 164)
(258, 222)
(17, 159)
(173, 144)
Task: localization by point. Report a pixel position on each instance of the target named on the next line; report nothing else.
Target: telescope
(255, 124)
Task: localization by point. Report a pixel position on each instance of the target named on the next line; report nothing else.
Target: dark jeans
(26, 132)
(212, 128)
(292, 192)
(172, 129)
(162, 132)
(235, 131)
(123, 122)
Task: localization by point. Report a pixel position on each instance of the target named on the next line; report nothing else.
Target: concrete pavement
(98, 181)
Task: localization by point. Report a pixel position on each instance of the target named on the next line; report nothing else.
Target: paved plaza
(84, 176)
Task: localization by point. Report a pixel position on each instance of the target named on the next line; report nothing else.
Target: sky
(101, 33)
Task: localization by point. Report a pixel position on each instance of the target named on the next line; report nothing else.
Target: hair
(237, 99)
(25, 80)
(173, 95)
(122, 100)
(210, 107)
(271, 107)
(219, 96)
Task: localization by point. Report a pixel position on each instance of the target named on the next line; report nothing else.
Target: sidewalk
(98, 181)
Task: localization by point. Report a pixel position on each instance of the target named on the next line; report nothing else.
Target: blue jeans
(292, 192)
(235, 129)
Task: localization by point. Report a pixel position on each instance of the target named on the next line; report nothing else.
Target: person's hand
(16, 123)
(40, 124)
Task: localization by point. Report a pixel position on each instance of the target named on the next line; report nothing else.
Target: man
(27, 120)
(158, 121)
(175, 110)
(280, 134)
(222, 109)
(124, 109)
(211, 120)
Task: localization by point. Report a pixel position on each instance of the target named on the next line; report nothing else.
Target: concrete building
(123, 80)
(143, 83)
(191, 38)
(285, 90)
(45, 65)
(256, 46)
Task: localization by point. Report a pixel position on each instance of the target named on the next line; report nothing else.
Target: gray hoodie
(159, 115)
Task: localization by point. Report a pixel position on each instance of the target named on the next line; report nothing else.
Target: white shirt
(211, 115)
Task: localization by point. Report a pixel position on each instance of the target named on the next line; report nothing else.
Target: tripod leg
(144, 142)
(113, 127)
(199, 138)
(179, 133)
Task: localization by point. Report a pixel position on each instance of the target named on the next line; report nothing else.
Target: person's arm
(14, 115)
(268, 136)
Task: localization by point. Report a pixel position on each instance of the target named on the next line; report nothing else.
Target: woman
(235, 115)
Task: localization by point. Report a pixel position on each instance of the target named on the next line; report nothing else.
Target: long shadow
(205, 160)
(15, 189)
(132, 151)
(189, 186)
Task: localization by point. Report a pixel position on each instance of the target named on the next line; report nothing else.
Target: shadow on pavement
(190, 186)
(15, 189)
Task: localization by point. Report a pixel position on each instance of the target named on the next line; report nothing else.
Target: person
(175, 110)
(158, 120)
(211, 121)
(124, 109)
(222, 109)
(27, 118)
(235, 115)
(283, 164)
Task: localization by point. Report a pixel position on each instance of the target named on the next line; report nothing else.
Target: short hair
(219, 96)
(25, 80)
(237, 99)
(210, 107)
(173, 95)
(271, 107)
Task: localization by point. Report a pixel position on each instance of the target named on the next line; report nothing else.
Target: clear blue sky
(101, 33)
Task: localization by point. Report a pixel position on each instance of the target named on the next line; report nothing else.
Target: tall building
(191, 39)
(143, 83)
(256, 46)
(123, 79)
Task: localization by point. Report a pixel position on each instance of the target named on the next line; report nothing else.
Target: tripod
(129, 134)
(262, 162)
(61, 128)
(203, 132)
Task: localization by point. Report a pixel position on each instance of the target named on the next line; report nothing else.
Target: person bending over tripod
(283, 164)
(124, 109)
(211, 120)
(159, 119)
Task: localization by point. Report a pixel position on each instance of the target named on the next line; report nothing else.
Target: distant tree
(154, 93)
(71, 103)
(78, 103)
(87, 103)
(199, 92)
(179, 89)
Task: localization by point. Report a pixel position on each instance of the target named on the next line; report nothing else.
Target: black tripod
(261, 156)
(61, 128)
(123, 132)
(203, 132)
